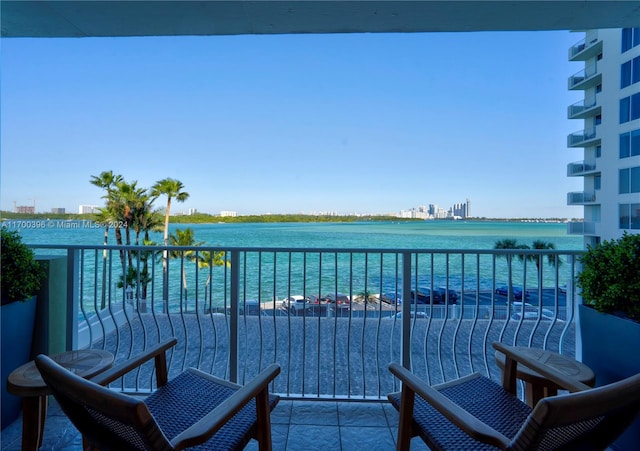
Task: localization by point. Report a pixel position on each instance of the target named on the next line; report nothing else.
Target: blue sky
(351, 123)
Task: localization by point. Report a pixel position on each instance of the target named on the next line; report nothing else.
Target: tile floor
(296, 425)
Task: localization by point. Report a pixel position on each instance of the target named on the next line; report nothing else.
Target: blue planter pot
(17, 323)
(609, 348)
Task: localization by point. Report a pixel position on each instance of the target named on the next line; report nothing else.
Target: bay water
(385, 235)
(338, 272)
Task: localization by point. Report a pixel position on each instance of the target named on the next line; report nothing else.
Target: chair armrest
(461, 418)
(566, 382)
(117, 371)
(208, 425)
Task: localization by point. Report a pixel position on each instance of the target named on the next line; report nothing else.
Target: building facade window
(598, 88)
(630, 108)
(629, 216)
(630, 38)
(630, 144)
(629, 180)
(598, 151)
(630, 72)
(597, 182)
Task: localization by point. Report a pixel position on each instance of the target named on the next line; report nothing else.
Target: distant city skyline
(349, 123)
(433, 211)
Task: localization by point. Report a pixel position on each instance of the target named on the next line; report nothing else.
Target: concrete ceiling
(173, 18)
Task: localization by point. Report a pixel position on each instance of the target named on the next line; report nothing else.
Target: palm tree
(129, 198)
(210, 259)
(171, 188)
(106, 180)
(553, 260)
(537, 244)
(184, 237)
(543, 245)
(509, 243)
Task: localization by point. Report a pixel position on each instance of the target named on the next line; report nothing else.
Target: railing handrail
(304, 249)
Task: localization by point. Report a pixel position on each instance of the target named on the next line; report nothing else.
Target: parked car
(421, 296)
(517, 292)
(440, 295)
(341, 301)
(391, 298)
(295, 305)
(530, 312)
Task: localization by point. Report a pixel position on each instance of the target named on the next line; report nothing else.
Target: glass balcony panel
(583, 138)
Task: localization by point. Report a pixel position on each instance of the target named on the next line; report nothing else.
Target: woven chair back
(106, 419)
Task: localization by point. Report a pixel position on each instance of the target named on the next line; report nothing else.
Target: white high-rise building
(610, 137)
(86, 209)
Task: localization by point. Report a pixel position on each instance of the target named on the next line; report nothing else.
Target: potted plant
(20, 276)
(610, 315)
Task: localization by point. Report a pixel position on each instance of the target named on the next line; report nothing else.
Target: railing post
(235, 316)
(405, 341)
(73, 297)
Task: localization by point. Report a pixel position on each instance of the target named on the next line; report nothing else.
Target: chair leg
(263, 427)
(405, 425)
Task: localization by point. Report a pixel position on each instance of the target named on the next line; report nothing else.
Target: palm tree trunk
(165, 259)
(103, 302)
(119, 243)
(510, 273)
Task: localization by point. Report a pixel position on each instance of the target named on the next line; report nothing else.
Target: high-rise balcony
(583, 138)
(231, 321)
(584, 108)
(581, 228)
(583, 50)
(585, 79)
(580, 168)
(581, 198)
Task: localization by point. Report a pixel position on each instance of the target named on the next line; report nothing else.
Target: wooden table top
(561, 363)
(26, 380)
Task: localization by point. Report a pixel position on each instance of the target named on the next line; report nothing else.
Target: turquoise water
(266, 275)
(386, 235)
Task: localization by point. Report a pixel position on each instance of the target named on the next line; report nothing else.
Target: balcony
(295, 425)
(580, 168)
(585, 79)
(230, 321)
(581, 198)
(584, 109)
(581, 228)
(583, 138)
(583, 50)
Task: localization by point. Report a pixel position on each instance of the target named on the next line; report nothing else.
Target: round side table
(536, 385)
(26, 382)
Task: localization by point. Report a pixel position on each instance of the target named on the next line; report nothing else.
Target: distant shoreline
(201, 218)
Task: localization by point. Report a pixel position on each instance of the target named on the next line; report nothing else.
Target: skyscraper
(610, 111)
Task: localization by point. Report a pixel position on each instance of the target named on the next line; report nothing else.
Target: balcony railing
(579, 168)
(586, 78)
(581, 228)
(230, 320)
(584, 108)
(583, 50)
(581, 197)
(583, 138)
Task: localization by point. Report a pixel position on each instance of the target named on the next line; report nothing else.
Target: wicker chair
(474, 412)
(193, 409)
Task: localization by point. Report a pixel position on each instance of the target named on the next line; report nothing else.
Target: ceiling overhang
(88, 18)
